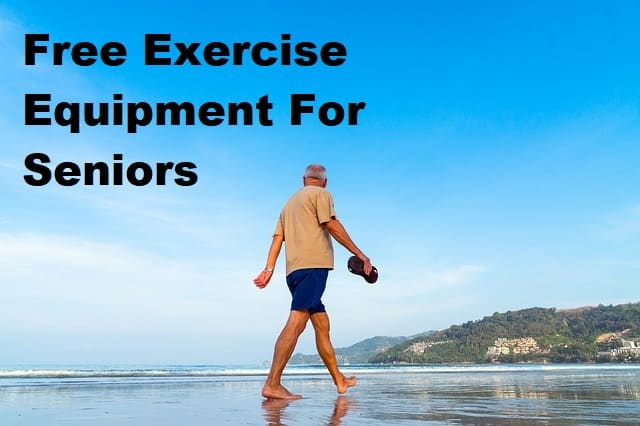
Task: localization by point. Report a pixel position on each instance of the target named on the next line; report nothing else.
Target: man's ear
(324, 185)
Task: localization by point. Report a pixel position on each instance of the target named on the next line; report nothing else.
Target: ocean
(576, 394)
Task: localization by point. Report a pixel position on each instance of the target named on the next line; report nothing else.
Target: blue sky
(494, 168)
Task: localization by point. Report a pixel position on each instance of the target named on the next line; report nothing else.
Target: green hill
(602, 333)
(359, 353)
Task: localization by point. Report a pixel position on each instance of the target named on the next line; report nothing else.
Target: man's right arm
(340, 234)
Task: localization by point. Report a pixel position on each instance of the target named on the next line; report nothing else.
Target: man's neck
(314, 182)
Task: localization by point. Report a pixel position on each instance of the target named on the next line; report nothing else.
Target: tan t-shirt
(307, 242)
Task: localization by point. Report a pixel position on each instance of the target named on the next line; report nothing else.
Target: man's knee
(298, 320)
(320, 322)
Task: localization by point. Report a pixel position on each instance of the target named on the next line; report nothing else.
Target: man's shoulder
(310, 191)
(308, 195)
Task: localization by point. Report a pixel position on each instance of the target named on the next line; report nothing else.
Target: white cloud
(622, 224)
(455, 276)
(9, 165)
(62, 285)
(216, 223)
(56, 282)
(429, 278)
(404, 297)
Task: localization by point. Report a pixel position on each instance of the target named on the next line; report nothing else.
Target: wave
(125, 373)
(240, 371)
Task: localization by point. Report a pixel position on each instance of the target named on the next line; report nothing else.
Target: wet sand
(536, 397)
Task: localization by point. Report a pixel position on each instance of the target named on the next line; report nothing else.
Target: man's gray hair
(316, 171)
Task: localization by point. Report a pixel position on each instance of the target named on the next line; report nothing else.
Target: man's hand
(263, 278)
(367, 263)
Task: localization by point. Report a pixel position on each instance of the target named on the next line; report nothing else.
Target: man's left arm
(341, 235)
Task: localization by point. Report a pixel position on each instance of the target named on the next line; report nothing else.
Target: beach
(214, 395)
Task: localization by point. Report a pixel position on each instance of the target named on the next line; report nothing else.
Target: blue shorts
(306, 287)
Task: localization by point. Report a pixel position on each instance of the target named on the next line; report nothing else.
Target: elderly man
(306, 224)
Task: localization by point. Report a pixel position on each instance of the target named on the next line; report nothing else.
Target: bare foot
(344, 383)
(278, 392)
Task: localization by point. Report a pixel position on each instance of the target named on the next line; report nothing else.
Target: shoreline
(460, 394)
(27, 372)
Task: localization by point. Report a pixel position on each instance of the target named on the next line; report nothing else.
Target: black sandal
(356, 266)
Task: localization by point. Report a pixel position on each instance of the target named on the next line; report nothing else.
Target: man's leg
(285, 346)
(320, 321)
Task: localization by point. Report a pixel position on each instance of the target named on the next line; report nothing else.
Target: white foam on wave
(231, 371)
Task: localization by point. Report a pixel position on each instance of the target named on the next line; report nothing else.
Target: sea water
(385, 395)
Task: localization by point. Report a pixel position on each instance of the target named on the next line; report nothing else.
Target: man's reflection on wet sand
(274, 410)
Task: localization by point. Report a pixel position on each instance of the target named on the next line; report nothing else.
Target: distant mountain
(587, 334)
(358, 353)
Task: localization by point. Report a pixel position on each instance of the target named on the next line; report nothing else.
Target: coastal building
(629, 348)
(519, 346)
(421, 347)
